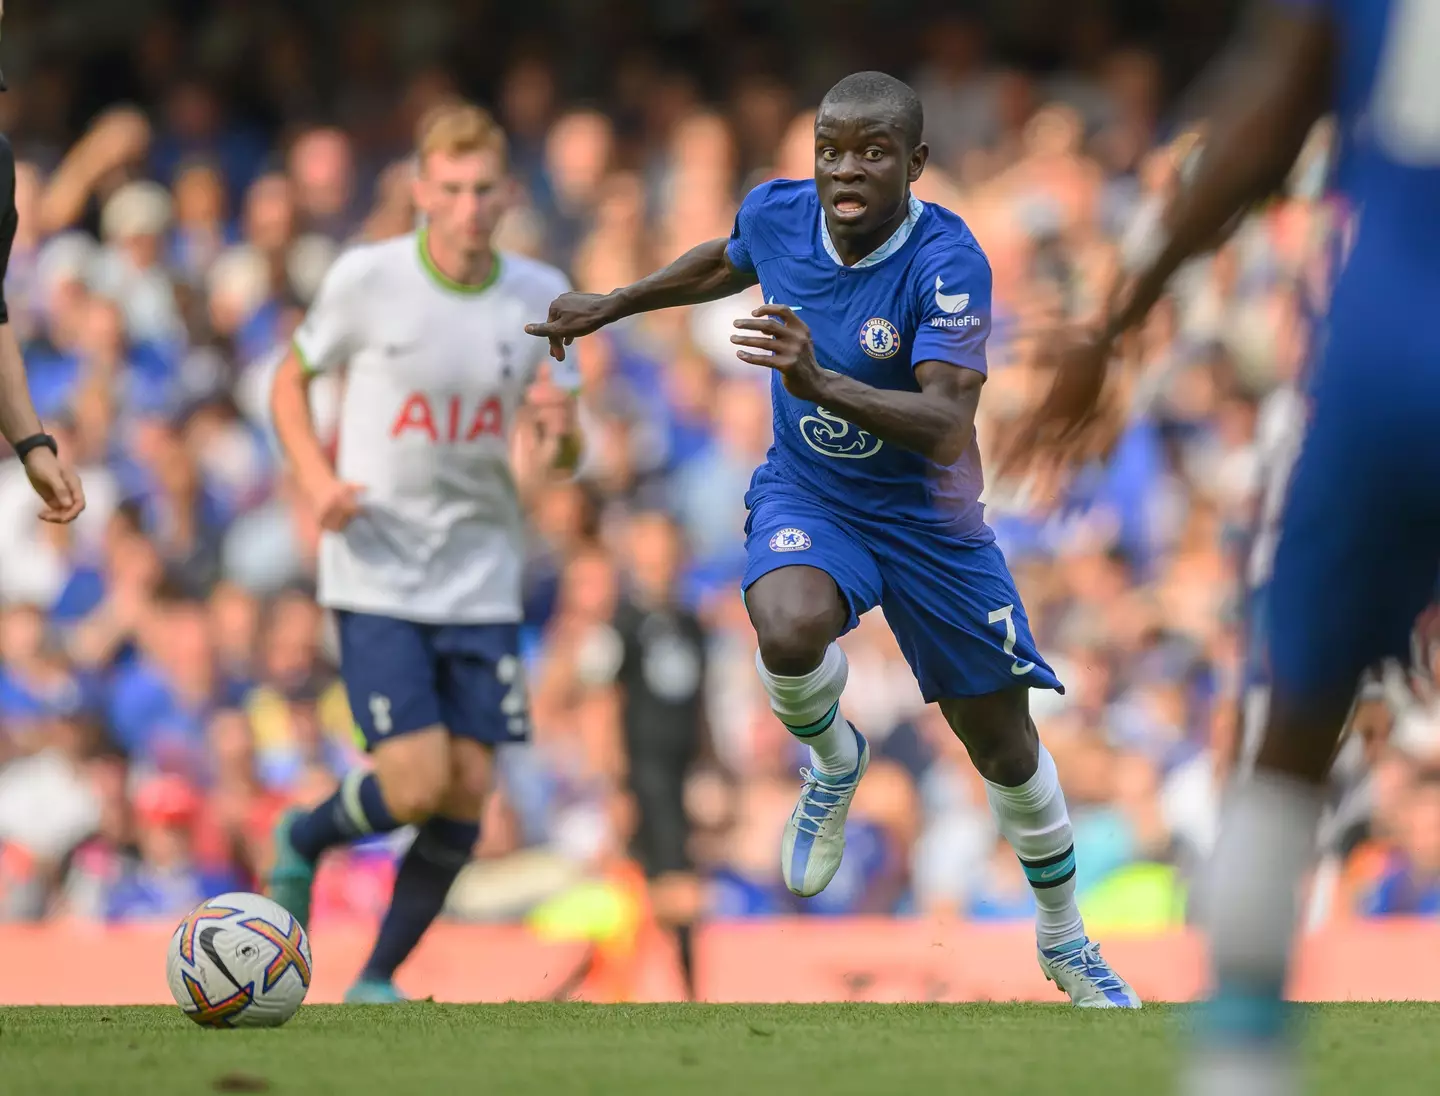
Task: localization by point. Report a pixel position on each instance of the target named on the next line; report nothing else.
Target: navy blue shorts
(1359, 545)
(402, 677)
(950, 601)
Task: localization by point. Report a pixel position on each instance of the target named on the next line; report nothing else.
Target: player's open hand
(782, 342)
(58, 487)
(1060, 425)
(572, 315)
(337, 504)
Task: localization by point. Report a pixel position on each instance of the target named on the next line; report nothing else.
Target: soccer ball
(239, 960)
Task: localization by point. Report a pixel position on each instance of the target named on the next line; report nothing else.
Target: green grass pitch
(640, 1050)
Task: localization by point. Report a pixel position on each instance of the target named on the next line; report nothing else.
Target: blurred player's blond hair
(456, 128)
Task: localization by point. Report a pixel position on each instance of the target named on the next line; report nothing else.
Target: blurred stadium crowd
(166, 681)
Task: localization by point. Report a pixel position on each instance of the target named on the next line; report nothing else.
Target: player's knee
(470, 780)
(793, 647)
(414, 775)
(416, 800)
(998, 734)
(793, 636)
(797, 613)
(1008, 762)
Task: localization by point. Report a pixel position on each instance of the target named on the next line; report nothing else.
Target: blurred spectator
(322, 168)
(578, 154)
(1410, 880)
(202, 229)
(527, 108)
(131, 270)
(195, 126)
(160, 703)
(164, 879)
(48, 806)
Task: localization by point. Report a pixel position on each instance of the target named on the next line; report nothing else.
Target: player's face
(462, 197)
(863, 169)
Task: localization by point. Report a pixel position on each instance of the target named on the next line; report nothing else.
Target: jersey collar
(443, 280)
(885, 250)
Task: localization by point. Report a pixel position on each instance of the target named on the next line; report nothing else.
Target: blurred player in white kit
(424, 542)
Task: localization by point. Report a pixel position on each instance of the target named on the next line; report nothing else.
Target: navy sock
(442, 847)
(355, 810)
(685, 941)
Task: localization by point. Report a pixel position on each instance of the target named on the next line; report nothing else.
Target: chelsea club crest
(878, 338)
(790, 540)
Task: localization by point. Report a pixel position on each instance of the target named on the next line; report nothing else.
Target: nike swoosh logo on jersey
(791, 307)
(951, 303)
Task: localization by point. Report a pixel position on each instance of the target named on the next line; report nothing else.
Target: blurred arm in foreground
(1281, 90)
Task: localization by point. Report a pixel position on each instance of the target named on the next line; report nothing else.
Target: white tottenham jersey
(435, 372)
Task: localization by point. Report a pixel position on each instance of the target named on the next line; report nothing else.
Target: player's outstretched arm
(704, 273)
(938, 421)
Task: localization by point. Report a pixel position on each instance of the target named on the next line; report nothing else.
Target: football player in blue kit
(878, 315)
(1359, 539)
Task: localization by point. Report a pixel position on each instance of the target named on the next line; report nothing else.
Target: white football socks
(809, 706)
(1034, 820)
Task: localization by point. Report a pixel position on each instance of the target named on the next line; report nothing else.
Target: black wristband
(25, 446)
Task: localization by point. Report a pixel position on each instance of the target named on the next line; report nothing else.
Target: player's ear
(918, 159)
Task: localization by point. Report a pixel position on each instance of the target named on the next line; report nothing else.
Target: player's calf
(1023, 788)
(1025, 797)
(798, 613)
(357, 809)
(441, 849)
(407, 786)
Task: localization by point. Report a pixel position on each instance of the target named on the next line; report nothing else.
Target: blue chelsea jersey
(922, 296)
(1387, 108)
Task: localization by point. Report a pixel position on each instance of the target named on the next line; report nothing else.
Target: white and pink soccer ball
(239, 960)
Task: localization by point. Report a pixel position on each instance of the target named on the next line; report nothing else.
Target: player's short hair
(458, 128)
(882, 90)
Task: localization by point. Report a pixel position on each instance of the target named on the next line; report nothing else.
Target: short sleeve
(738, 250)
(954, 309)
(329, 335)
